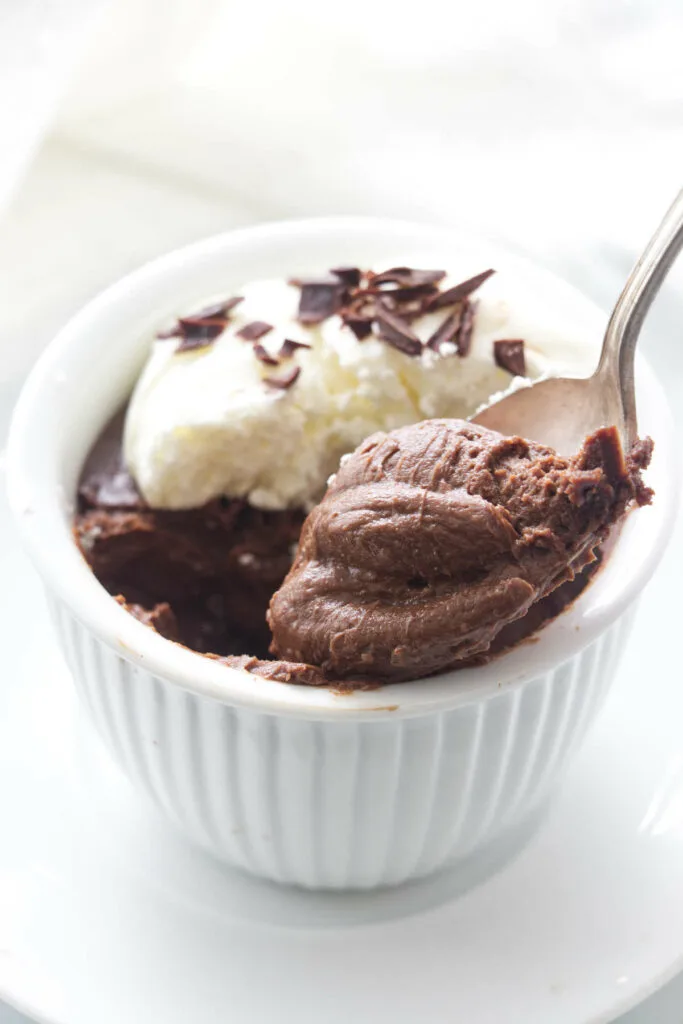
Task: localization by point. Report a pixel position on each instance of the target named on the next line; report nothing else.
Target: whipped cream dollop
(261, 419)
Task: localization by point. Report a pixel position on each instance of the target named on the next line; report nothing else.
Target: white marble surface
(538, 130)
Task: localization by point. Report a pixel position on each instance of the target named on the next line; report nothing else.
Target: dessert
(192, 501)
(434, 537)
(259, 396)
(203, 576)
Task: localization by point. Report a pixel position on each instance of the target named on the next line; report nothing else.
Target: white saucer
(108, 915)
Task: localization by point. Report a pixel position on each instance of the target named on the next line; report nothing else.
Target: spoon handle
(623, 329)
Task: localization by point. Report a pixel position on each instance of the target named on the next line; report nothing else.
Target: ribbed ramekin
(298, 784)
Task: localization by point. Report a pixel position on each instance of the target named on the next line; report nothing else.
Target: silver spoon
(561, 411)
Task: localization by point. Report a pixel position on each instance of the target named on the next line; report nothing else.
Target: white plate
(108, 915)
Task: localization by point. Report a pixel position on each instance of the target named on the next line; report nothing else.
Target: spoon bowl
(559, 412)
(562, 411)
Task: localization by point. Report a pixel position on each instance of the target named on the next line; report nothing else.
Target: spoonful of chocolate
(562, 411)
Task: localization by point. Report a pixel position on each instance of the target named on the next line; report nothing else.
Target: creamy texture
(204, 577)
(433, 538)
(202, 424)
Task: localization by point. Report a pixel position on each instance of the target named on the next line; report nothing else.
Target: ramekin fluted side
(333, 803)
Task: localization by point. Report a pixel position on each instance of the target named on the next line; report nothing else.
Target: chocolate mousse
(201, 576)
(434, 537)
(437, 545)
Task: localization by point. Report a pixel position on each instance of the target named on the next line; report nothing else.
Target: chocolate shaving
(447, 331)
(196, 324)
(289, 346)
(388, 302)
(456, 329)
(350, 276)
(418, 291)
(460, 291)
(219, 310)
(361, 326)
(397, 332)
(464, 339)
(509, 355)
(201, 328)
(408, 277)
(383, 300)
(319, 299)
(264, 356)
(412, 310)
(254, 330)
(363, 306)
(198, 334)
(283, 383)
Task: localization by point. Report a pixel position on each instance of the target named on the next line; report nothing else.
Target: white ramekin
(298, 784)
